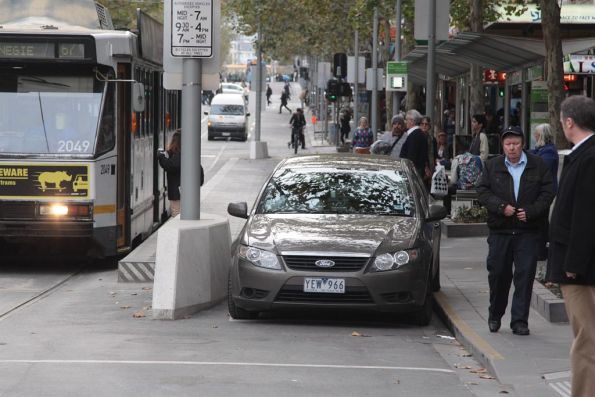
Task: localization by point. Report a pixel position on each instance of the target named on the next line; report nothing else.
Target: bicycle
(295, 139)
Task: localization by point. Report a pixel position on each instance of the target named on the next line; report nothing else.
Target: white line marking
(213, 363)
(559, 389)
(218, 178)
(217, 157)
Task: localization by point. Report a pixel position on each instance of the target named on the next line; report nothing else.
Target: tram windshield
(48, 114)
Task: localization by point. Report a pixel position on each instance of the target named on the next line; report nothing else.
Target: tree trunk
(476, 94)
(550, 24)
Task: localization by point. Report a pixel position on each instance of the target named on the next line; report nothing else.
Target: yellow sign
(44, 180)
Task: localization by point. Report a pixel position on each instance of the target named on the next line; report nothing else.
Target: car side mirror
(436, 213)
(247, 114)
(239, 210)
(206, 113)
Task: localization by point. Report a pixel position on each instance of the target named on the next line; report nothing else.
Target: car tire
(436, 278)
(237, 313)
(424, 315)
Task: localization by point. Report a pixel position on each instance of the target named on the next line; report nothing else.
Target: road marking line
(466, 330)
(562, 388)
(239, 364)
(218, 178)
(218, 156)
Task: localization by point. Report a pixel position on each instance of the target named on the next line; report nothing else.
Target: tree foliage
(123, 12)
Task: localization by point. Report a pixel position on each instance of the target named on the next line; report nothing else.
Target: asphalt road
(72, 330)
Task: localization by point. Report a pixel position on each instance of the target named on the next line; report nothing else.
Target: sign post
(191, 39)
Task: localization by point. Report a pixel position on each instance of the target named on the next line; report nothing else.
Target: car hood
(363, 234)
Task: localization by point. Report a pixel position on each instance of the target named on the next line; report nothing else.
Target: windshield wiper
(37, 79)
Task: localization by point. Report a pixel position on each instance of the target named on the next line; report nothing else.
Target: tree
(123, 12)
(550, 25)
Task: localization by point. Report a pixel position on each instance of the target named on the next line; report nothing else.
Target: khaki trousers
(580, 306)
(174, 206)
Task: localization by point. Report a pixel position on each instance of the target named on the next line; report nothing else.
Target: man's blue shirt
(516, 171)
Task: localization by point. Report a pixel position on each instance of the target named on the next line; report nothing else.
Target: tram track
(38, 295)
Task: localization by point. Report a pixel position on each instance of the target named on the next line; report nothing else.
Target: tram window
(106, 137)
(59, 113)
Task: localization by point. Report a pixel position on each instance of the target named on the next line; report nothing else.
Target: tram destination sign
(41, 50)
(192, 28)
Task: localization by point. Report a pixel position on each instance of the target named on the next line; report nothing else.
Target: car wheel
(436, 279)
(424, 315)
(237, 313)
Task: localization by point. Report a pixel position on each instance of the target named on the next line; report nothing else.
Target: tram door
(123, 110)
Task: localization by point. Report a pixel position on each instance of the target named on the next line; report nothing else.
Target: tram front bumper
(35, 228)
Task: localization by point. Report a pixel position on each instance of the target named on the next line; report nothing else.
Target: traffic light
(340, 65)
(332, 90)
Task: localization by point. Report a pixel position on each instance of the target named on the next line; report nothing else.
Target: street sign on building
(192, 28)
(422, 12)
(396, 76)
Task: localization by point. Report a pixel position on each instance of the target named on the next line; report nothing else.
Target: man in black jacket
(517, 190)
(415, 147)
(572, 249)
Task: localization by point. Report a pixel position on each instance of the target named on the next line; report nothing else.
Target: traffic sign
(192, 28)
(396, 76)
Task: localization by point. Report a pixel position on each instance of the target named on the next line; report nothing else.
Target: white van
(228, 117)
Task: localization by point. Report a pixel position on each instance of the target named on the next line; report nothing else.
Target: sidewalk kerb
(479, 347)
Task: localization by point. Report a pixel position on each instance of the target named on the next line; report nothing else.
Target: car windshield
(62, 113)
(227, 110)
(336, 191)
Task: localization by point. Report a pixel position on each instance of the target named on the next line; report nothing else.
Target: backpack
(469, 170)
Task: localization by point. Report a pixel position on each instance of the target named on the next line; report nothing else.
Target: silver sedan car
(338, 231)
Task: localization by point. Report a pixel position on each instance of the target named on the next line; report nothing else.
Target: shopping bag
(439, 187)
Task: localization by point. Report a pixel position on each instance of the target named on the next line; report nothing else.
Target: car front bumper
(398, 291)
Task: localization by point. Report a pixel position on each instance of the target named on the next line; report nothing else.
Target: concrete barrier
(192, 265)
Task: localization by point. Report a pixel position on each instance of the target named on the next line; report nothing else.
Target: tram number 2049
(71, 146)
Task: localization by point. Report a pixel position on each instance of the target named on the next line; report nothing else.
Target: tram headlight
(70, 210)
(53, 209)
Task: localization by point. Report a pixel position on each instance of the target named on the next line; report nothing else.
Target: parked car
(228, 117)
(338, 231)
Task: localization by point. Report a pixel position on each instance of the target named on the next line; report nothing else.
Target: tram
(82, 113)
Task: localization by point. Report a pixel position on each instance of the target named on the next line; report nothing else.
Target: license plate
(323, 284)
(226, 133)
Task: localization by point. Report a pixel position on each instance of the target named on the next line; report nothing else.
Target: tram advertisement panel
(44, 180)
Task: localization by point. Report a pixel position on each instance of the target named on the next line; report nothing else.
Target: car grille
(295, 293)
(342, 263)
(17, 210)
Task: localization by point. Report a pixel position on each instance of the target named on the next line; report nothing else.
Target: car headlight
(260, 258)
(394, 261)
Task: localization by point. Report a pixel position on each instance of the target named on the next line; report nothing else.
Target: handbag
(439, 187)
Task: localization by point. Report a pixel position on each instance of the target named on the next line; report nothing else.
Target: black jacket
(415, 149)
(572, 246)
(496, 190)
(171, 166)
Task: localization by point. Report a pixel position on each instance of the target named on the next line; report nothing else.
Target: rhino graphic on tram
(53, 178)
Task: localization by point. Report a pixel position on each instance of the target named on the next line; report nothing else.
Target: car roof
(232, 85)
(227, 99)
(346, 160)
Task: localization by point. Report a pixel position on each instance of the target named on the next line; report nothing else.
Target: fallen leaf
(134, 293)
(139, 314)
(479, 371)
(147, 308)
(445, 337)
(355, 333)
(487, 377)
(472, 383)
(215, 326)
(462, 366)
(468, 268)
(397, 382)
(125, 307)
(113, 293)
(147, 288)
(465, 355)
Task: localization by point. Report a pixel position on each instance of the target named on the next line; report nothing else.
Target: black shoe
(494, 325)
(520, 329)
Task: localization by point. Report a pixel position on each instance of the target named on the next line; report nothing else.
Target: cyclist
(298, 122)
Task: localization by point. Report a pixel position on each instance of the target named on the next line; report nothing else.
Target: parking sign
(192, 28)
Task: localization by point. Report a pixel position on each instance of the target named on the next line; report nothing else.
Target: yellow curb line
(466, 330)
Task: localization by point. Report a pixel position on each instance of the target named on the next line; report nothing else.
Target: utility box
(396, 76)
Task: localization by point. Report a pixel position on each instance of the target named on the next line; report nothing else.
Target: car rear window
(331, 191)
(231, 110)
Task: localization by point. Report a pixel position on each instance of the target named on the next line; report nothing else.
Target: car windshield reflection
(332, 191)
(227, 110)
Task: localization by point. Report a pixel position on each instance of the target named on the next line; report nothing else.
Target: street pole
(257, 116)
(374, 110)
(431, 75)
(399, 13)
(356, 83)
(191, 130)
